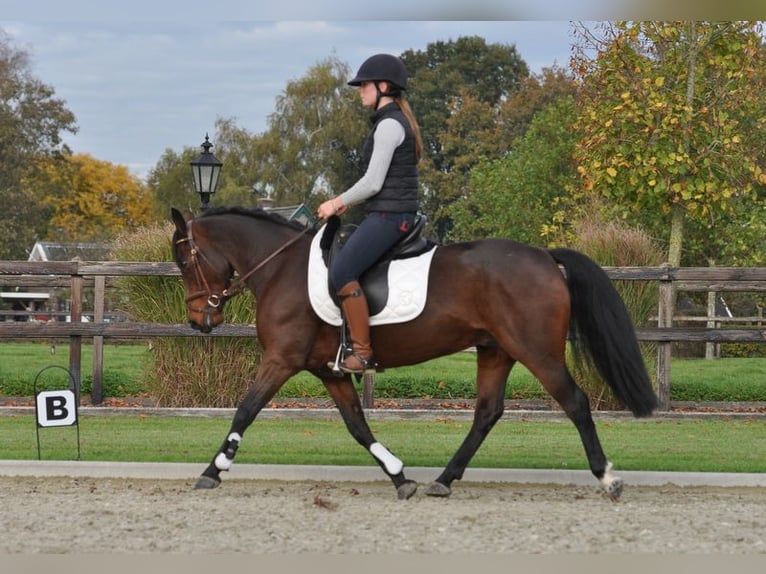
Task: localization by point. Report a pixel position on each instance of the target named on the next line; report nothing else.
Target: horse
(510, 301)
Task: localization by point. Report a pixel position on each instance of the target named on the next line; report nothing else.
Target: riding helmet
(382, 67)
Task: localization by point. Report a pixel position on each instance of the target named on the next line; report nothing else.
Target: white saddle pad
(407, 287)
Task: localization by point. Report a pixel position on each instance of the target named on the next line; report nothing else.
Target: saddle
(374, 281)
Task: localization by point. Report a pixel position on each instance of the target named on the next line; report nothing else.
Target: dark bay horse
(508, 300)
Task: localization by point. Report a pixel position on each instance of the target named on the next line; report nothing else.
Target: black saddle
(374, 281)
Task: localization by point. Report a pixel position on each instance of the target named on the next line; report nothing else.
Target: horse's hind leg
(347, 400)
(494, 364)
(576, 405)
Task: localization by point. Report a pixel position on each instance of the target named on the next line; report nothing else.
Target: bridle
(214, 298)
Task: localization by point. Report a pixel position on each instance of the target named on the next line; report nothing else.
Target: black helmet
(382, 67)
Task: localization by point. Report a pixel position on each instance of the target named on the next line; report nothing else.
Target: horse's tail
(602, 326)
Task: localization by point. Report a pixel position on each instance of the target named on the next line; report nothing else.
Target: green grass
(22, 363)
(659, 445)
(728, 379)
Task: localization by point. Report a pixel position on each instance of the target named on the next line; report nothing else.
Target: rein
(239, 284)
(214, 299)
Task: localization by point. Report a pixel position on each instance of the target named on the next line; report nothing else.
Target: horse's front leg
(347, 400)
(269, 378)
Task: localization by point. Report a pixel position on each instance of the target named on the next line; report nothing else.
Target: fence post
(75, 341)
(97, 392)
(664, 320)
(712, 349)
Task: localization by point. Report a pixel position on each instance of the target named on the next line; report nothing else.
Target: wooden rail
(98, 274)
(129, 330)
(122, 330)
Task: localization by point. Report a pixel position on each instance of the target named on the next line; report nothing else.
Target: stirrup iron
(342, 349)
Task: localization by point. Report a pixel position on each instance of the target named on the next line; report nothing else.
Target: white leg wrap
(392, 464)
(223, 462)
(608, 478)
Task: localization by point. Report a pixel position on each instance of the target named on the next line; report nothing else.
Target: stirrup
(367, 364)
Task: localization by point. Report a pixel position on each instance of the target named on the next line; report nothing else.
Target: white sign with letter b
(56, 408)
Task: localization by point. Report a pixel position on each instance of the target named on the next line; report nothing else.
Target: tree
(239, 150)
(536, 92)
(446, 71)
(673, 127)
(469, 138)
(170, 183)
(478, 133)
(311, 147)
(31, 124)
(455, 90)
(93, 200)
(515, 195)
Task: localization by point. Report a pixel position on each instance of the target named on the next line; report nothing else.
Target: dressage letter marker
(56, 408)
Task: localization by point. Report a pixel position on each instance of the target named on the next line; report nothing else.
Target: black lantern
(206, 169)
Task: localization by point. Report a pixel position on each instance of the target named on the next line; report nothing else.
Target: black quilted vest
(400, 188)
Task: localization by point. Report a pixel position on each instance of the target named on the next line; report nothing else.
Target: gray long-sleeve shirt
(389, 135)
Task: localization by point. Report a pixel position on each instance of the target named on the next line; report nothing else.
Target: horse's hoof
(407, 489)
(612, 484)
(206, 483)
(438, 489)
(614, 489)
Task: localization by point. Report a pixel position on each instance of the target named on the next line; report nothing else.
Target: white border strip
(190, 471)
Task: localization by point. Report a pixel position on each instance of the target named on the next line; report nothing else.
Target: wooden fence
(76, 275)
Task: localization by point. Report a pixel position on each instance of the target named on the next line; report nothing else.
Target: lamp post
(206, 169)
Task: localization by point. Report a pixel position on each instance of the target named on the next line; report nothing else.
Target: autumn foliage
(92, 200)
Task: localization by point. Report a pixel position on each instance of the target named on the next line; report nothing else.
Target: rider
(388, 190)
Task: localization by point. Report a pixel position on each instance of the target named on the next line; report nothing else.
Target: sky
(139, 88)
(145, 76)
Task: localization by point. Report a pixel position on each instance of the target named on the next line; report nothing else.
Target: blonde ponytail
(407, 111)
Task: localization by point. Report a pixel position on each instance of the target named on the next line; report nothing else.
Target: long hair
(408, 113)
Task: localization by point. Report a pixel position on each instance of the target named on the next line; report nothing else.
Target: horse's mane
(256, 213)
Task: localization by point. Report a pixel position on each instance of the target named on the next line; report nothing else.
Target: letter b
(56, 408)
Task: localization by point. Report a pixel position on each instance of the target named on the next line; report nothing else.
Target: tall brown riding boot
(354, 305)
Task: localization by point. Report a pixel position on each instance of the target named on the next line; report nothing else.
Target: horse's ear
(179, 220)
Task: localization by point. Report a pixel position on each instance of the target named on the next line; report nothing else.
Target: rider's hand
(331, 207)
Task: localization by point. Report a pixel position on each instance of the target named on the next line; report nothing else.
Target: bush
(743, 350)
(185, 371)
